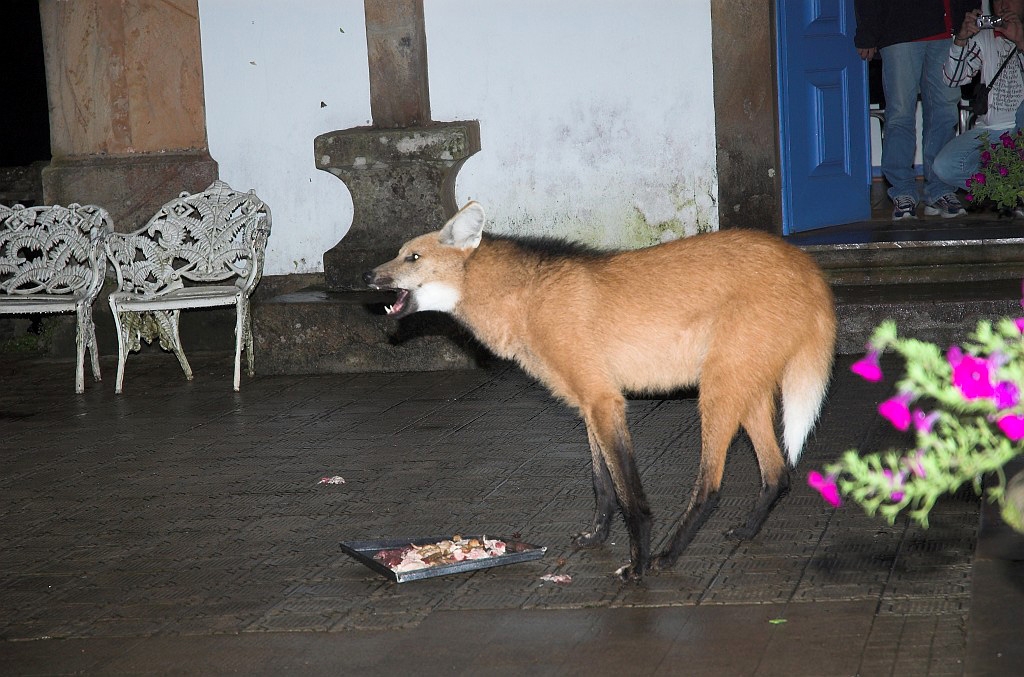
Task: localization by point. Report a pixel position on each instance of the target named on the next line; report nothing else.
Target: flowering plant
(967, 414)
(1000, 176)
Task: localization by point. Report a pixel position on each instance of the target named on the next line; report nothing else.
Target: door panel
(823, 116)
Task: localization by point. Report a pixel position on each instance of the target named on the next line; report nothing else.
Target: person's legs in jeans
(959, 159)
(939, 104)
(901, 76)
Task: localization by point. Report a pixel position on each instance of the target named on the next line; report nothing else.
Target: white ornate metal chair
(198, 251)
(51, 261)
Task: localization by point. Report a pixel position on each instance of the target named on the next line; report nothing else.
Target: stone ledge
(131, 187)
(315, 331)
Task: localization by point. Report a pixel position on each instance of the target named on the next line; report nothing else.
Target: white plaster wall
(268, 66)
(596, 116)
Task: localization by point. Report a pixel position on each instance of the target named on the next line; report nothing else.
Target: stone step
(936, 290)
(920, 261)
(944, 313)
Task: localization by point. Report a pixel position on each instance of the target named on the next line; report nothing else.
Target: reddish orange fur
(739, 313)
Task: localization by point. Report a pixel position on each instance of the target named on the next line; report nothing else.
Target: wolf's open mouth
(399, 304)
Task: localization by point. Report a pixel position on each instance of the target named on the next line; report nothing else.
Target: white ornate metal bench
(199, 251)
(51, 261)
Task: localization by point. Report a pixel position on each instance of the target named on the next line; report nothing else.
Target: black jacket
(881, 23)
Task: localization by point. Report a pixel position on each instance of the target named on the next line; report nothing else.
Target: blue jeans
(909, 69)
(961, 157)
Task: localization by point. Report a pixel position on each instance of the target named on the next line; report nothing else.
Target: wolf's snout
(369, 277)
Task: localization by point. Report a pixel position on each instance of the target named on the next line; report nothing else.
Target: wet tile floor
(182, 527)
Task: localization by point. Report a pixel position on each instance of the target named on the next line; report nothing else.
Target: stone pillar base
(314, 331)
(131, 187)
(402, 183)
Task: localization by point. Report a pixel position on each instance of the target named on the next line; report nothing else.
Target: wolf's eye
(412, 258)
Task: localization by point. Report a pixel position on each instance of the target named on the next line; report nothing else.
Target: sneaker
(947, 206)
(1018, 213)
(903, 208)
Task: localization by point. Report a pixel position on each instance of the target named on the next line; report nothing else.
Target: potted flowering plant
(966, 410)
(1000, 176)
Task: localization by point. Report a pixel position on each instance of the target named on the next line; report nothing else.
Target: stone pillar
(127, 112)
(401, 171)
(402, 183)
(746, 115)
(396, 44)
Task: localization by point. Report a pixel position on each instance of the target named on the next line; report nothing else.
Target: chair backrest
(53, 249)
(217, 235)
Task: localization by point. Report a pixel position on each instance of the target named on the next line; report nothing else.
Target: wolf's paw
(663, 561)
(743, 533)
(589, 539)
(630, 574)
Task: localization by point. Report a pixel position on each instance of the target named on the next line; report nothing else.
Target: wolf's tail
(804, 382)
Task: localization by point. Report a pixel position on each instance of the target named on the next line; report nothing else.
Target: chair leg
(121, 347)
(248, 339)
(173, 316)
(239, 340)
(90, 342)
(80, 352)
(94, 354)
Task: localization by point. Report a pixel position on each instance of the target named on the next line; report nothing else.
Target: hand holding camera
(988, 21)
(1009, 24)
(969, 28)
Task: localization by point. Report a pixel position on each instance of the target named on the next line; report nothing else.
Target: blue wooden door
(823, 116)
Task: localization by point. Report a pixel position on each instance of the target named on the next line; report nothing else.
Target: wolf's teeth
(387, 309)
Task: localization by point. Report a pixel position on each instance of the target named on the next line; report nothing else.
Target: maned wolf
(740, 313)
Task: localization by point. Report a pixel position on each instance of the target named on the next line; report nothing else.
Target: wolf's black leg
(696, 514)
(633, 503)
(604, 501)
(616, 474)
(766, 500)
(718, 422)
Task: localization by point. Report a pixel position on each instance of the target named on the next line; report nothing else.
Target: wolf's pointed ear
(465, 228)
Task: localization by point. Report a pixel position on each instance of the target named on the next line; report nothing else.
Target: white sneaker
(947, 206)
(903, 208)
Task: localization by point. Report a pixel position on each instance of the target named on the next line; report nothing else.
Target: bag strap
(1013, 53)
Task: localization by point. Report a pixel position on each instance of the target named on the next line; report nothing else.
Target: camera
(989, 21)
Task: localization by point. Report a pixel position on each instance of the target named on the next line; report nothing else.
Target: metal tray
(364, 551)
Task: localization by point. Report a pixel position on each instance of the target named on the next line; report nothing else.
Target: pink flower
(867, 367)
(1007, 140)
(1012, 426)
(1003, 171)
(915, 464)
(923, 422)
(970, 375)
(979, 179)
(1007, 395)
(896, 410)
(969, 197)
(985, 157)
(826, 486)
(1020, 324)
(896, 481)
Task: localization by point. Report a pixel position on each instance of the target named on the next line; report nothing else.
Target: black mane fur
(551, 248)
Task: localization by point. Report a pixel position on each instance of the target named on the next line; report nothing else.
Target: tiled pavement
(182, 528)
